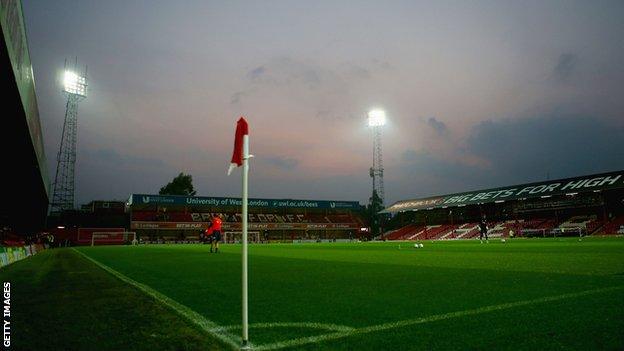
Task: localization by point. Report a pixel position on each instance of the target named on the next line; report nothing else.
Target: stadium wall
(21, 144)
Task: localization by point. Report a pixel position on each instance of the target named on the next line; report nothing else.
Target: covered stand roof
(588, 183)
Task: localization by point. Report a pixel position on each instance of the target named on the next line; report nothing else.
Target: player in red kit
(206, 236)
(215, 228)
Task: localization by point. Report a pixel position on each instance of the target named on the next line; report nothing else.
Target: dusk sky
(478, 93)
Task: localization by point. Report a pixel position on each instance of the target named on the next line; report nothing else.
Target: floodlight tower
(376, 120)
(75, 87)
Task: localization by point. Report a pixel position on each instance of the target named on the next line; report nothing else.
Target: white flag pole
(245, 182)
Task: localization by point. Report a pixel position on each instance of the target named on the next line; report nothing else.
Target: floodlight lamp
(376, 118)
(71, 79)
(74, 84)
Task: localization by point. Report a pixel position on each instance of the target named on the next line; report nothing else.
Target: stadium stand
(594, 226)
(264, 217)
(404, 233)
(467, 231)
(436, 232)
(577, 222)
(502, 229)
(158, 218)
(615, 226)
(588, 205)
(587, 225)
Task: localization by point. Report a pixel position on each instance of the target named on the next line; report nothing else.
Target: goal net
(111, 238)
(237, 237)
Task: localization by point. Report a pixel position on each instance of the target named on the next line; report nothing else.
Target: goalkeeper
(483, 230)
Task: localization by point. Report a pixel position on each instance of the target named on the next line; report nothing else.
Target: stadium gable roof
(144, 199)
(595, 182)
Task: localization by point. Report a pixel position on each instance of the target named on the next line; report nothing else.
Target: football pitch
(547, 294)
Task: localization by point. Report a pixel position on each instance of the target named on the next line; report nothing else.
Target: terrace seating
(340, 218)
(439, 231)
(403, 233)
(589, 224)
(533, 223)
(503, 229)
(467, 231)
(537, 225)
(497, 229)
(430, 232)
(451, 233)
(577, 222)
(547, 224)
(594, 226)
(173, 216)
(615, 226)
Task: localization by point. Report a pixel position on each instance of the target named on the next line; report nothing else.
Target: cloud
(530, 148)
(106, 174)
(353, 70)
(286, 71)
(513, 151)
(327, 92)
(438, 126)
(381, 64)
(326, 114)
(289, 72)
(256, 73)
(283, 163)
(423, 173)
(112, 157)
(565, 67)
(237, 97)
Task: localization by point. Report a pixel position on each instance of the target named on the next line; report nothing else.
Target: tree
(372, 213)
(180, 185)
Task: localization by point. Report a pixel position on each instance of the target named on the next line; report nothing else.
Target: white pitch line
(341, 331)
(205, 324)
(433, 318)
(309, 325)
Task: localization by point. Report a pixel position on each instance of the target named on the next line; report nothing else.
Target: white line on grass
(308, 325)
(205, 324)
(433, 318)
(339, 331)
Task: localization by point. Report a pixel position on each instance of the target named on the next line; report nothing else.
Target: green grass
(60, 301)
(362, 286)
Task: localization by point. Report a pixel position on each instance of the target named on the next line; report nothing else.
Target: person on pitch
(215, 229)
(483, 230)
(206, 235)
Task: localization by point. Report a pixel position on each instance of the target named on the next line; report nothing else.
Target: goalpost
(117, 237)
(237, 237)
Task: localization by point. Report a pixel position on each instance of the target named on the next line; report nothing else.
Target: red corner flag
(240, 157)
(242, 130)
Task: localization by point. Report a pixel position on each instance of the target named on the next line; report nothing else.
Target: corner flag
(242, 131)
(240, 157)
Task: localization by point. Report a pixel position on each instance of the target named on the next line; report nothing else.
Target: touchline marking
(205, 324)
(434, 318)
